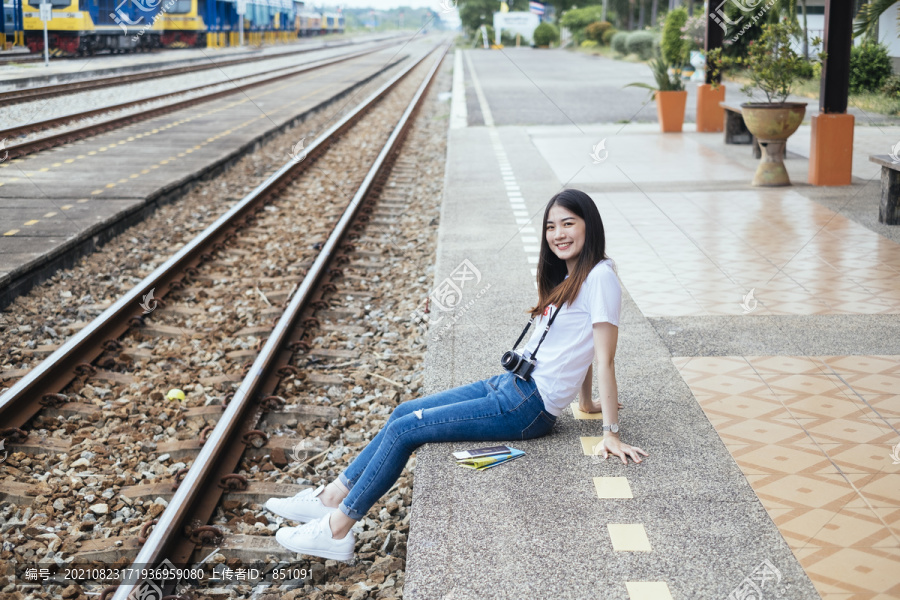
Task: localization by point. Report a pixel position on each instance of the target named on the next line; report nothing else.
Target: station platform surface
(55, 205)
(757, 362)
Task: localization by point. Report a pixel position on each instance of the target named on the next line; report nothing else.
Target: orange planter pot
(670, 110)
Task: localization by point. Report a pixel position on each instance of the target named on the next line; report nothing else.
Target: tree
(867, 18)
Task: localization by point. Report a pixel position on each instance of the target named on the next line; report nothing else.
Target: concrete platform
(723, 495)
(58, 205)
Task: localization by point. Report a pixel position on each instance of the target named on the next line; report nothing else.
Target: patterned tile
(814, 436)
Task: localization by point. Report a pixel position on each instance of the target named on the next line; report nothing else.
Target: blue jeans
(500, 408)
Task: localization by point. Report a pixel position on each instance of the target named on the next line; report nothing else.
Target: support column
(831, 145)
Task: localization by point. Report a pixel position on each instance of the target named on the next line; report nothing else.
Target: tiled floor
(702, 253)
(815, 437)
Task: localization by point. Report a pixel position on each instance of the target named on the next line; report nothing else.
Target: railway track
(98, 354)
(19, 96)
(51, 141)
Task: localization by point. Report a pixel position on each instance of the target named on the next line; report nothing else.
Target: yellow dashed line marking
(154, 167)
(583, 415)
(648, 590)
(83, 200)
(49, 214)
(189, 150)
(163, 162)
(110, 185)
(612, 487)
(95, 192)
(70, 160)
(212, 139)
(182, 155)
(79, 156)
(197, 147)
(31, 222)
(66, 206)
(123, 180)
(134, 175)
(103, 149)
(44, 170)
(12, 232)
(145, 171)
(91, 153)
(131, 139)
(629, 537)
(57, 164)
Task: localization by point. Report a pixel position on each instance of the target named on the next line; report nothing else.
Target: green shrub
(672, 46)
(641, 43)
(608, 35)
(891, 87)
(805, 70)
(589, 44)
(869, 67)
(596, 30)
(619, 42)
(579, 18)
(545, 34)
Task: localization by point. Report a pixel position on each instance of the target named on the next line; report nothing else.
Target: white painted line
(528, 239)
(527, 229)
(459, 116)
(521, 221)
(532, 259)
(535, 249)
(482, 101)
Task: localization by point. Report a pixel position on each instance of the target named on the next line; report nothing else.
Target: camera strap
(540, 341)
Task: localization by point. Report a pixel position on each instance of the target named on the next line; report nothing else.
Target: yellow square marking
(44, 170)
(103, 149)
(1, 184)
(83, 200)
(123, 180)
(155, 131)
(628, 537)
(139, 136)
(110, 185)
(131, 139)
(95, 192)
(31, 222)
(590, 445)
(79, 156)
(163, 162)
(57, 164)
(181, 155)
(155, 167)
(134, 175)
(49, 214)
(145, 171)
(12, 232)
(69, 160)
(197, 147)
(612, 487)
(91, 153)
(212, 139)
(189, 150)
(648, 590)
(66, 206)
(583, 415)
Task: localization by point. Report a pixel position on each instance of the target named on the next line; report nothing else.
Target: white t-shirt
(568, 350)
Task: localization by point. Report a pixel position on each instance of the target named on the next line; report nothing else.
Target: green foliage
(578, 19)
(619, 42)
(475, 13)
(641, 43)
(545, 34)
(608, 36)
(806, 70)
(891, 86)
(596, 30)
(870, 65)
(589, 44)
(771, 62)
(672, 46)
(664, 81)
(693, 32)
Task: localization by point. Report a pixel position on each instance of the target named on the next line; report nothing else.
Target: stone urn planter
(670, 110)
(772, 124)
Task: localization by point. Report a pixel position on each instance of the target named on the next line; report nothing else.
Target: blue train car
(80, 27)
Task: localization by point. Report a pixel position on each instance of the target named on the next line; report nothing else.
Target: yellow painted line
(131, 139)
(629, 537)
(145, 171)
(197, 147)
(92, 152)
(12, 232)
(69, 160)
(110, 185)
(79, 156)
(583, 415)
(1, 184)
(612, 487)
(57, 164)
(154, 167)
(44, 170)
(182, 155)
(95, 192)
(648, 590)
(32, 222)
(155, 131)
(83, 200)
(123, 180)
(189, 150)
(49, 214)
(66, 206)
(104, 149)
(134, 175)
(590, 445)
(163, 162)
(212, 139)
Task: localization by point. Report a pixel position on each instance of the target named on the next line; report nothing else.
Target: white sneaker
(315, 539)
(305, 506)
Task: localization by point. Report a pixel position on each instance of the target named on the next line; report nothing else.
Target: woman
(574, 273)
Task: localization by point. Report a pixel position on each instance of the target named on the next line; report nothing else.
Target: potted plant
(669, 94)
(773, 66)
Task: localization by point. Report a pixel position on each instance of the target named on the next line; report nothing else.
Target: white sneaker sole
(332, 554)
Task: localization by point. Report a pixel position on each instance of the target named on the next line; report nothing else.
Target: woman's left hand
(613, 445)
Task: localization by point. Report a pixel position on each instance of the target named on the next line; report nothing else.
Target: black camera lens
(510, 360)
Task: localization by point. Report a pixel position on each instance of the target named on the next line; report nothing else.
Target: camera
(517, 364)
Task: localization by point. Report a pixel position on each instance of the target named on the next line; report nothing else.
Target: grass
(869, 102)
(608, 52)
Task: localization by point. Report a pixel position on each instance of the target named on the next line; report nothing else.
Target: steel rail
(224, 436)
(11, 97)
(20, 130)
(58, 139)
(21, 401)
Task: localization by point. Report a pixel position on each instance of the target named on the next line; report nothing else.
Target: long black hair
(553, 287)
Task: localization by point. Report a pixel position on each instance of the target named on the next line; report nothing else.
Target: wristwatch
(613, 428)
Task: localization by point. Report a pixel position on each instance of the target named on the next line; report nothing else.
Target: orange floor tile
(817, 438)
